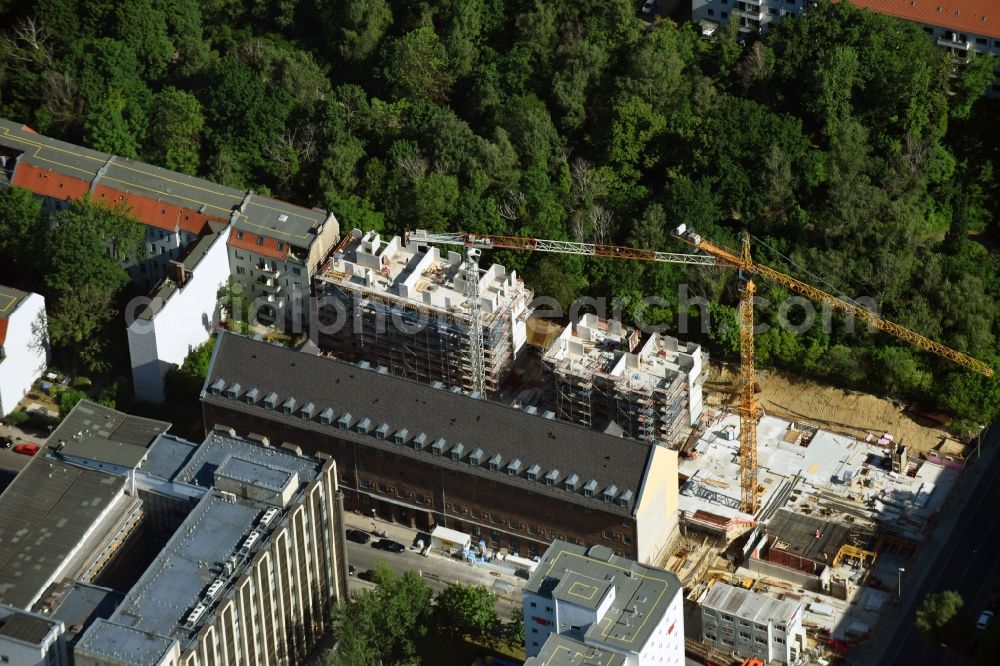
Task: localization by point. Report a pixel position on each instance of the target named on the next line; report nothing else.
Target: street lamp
(899, 586)
(979, 441)
(373, 520)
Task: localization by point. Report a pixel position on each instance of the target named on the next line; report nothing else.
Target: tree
(68, 400)
(383, 625)
(940, 617)
(23, 229)
(513, 629)
(234, 306)
(466, 609)
(356, 26)
(417, 66)
(79, 322)
(183, 384)
(175, 127)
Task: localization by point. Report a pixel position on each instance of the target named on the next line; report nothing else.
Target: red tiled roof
(49, 183)
(3, 330)
(973, 17)
(245, 240)
(155, 213)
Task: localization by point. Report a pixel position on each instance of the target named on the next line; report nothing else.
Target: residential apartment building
(653, 391)
(428, 456)
(734, 620)
(960, 26)
(179, 315)
(405, 306)
(176, 209)
(589, 602)
(24, 345)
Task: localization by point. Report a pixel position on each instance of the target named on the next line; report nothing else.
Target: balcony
(748, 11)
(950, 40)
(270, 284)
(269, 268)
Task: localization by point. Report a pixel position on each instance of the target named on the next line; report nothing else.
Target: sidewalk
(870, 652)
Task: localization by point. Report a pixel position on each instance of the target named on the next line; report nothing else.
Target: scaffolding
(602, 375)
(410, 310)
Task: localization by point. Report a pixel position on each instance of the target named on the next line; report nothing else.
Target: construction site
(815, 504)
(405, 307)
(602, 375)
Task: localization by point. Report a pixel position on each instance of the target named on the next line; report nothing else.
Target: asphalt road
(967, 563)
(437, 572)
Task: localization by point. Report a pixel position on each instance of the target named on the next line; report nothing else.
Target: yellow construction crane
(749, 409)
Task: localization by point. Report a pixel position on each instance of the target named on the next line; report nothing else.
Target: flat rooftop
(24, 627)
(558, 448)
(10, 298)
(757, 608)
(418, 275)
(281, 220)
(89, 419)
(82, 604)
(640, 590)
(44, 515)
(219, 450)
(124, 645)
(167, 456)
(104, 450)
(564, 651)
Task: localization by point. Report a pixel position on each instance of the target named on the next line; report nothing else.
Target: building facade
(179, 315)
(579, 598)
(405, 307)
(653, 390)
(425, 457)
(735, 620)
(962, 27)
(31, 639)
(24, 346)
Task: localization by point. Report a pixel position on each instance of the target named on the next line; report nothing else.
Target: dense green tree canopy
(859, 156)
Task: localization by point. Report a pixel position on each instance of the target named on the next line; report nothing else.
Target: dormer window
(494, 462)
(344, 422)
(419, 441)
(217, 386)
(382, 431)
(438, 446)
(233, 391)
(590, 488)
(533, 472)
(307, 411)
(609, 493)
(456, 451)
(571, 482)
(288, 406)
(514, 467)
(271, 400)
(476, 457)
(251, 396)
(400, 436)
(364, 425)
(550, 478)
(625, 498)
(326, 416)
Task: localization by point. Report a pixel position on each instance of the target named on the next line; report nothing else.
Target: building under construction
(407, 308)
(602, 375)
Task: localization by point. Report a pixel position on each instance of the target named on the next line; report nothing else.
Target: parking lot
(11, 463)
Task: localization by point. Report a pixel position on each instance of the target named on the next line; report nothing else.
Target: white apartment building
(583, 602)
(737, 621)
(179, 315)
(24, 350)
(960, 26)
(31, 639)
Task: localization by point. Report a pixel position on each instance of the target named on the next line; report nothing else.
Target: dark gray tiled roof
(419, 408)
(93, 420)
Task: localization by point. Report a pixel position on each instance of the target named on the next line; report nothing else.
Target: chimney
(177, 272)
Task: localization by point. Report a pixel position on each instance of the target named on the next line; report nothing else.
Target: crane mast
(712, 255)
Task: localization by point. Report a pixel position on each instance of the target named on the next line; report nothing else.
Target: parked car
(6, 442)
(26, 449)
(648, 6)
(351, 570)
(357, 536)
(389, 545)
(984, 619)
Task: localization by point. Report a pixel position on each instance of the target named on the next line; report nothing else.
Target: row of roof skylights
(418, 441)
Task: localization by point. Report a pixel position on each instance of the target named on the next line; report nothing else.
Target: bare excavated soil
(848, 412)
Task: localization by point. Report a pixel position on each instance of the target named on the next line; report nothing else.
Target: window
(981, 40)
(240, 270)
(711, 12)
(762, 641)
(725, 14)
(534, 605)
(744, 634)
(296, 270)
(281, 245)
(772, 11)
(239, 235)
(727, 618)
(779, 640)
(744, 623)
(260, 240)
